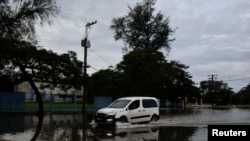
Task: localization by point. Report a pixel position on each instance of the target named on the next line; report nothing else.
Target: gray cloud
(212, 37)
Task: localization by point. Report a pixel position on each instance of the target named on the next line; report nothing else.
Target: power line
(71, 17)
(234, 75)
(103, 27)
(104, 59)
(75, 18)
(214, 77)
(91, 50)
(93, 67)
(238, 79)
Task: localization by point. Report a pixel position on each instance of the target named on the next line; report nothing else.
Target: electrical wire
(239, 79)
(75, 18)
(104, 59)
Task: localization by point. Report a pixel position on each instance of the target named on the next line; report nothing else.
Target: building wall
(46, 92)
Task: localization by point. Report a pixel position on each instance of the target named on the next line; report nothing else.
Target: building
(48, 93)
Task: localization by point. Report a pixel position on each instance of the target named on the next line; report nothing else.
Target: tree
(243, 96)
(178, 83)
(107, 83)
(143, 71)
(40, 65)
(142, 29)
(18, 18)
(6, 85)
(17, 23)
(146, 72)
(145, 32)
(216, 92)
(223, 97)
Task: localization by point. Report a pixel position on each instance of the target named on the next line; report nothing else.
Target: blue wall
(101, 101)
(12, 101)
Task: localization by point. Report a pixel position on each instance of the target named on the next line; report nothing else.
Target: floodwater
(182, 125)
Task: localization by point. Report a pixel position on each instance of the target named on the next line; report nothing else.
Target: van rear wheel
(154, 118)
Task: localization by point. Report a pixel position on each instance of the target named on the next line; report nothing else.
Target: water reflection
(189, 125)
(11, 123)
(126, 134)
(39, 127)
(176, 133)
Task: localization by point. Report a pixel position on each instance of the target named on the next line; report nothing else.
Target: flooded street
(182, 125)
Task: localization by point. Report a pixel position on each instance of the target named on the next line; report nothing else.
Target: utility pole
(86, 44)
(212, 77)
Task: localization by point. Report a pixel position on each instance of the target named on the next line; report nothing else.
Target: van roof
(138, 97)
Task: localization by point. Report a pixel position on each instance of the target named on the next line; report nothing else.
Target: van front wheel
(123, 120)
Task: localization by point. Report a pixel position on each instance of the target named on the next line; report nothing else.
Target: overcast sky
(212, 36)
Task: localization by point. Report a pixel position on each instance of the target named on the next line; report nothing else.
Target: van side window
(149, 103)
(134, 105)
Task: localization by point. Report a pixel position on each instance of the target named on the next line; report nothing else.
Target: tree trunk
(37, 93)
(38, 128)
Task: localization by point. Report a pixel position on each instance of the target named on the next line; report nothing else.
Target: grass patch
(222, 107)
(47, 106)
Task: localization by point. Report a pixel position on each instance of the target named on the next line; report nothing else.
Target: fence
(12, 101)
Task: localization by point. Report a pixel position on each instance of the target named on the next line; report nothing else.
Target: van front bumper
(105, 120)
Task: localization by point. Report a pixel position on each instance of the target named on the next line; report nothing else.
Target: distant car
(129, 109)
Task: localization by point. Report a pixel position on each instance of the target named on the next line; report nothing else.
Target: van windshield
(119, 104)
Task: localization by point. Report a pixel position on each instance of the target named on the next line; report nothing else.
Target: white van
(129, 109)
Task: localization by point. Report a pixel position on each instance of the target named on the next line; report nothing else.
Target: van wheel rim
(154, 118)
(123, 120)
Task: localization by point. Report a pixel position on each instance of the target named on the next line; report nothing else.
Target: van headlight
(111, 113)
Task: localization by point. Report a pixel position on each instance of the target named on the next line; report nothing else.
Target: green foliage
(17, 25)
(42, 65)
(243, 96)
(144, 72)
(106, 83)
(18, 18)
(223, 97)
(6, 85)
(141, 28)
(216, 92)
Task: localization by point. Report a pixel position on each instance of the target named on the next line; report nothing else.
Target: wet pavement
(176, 125)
